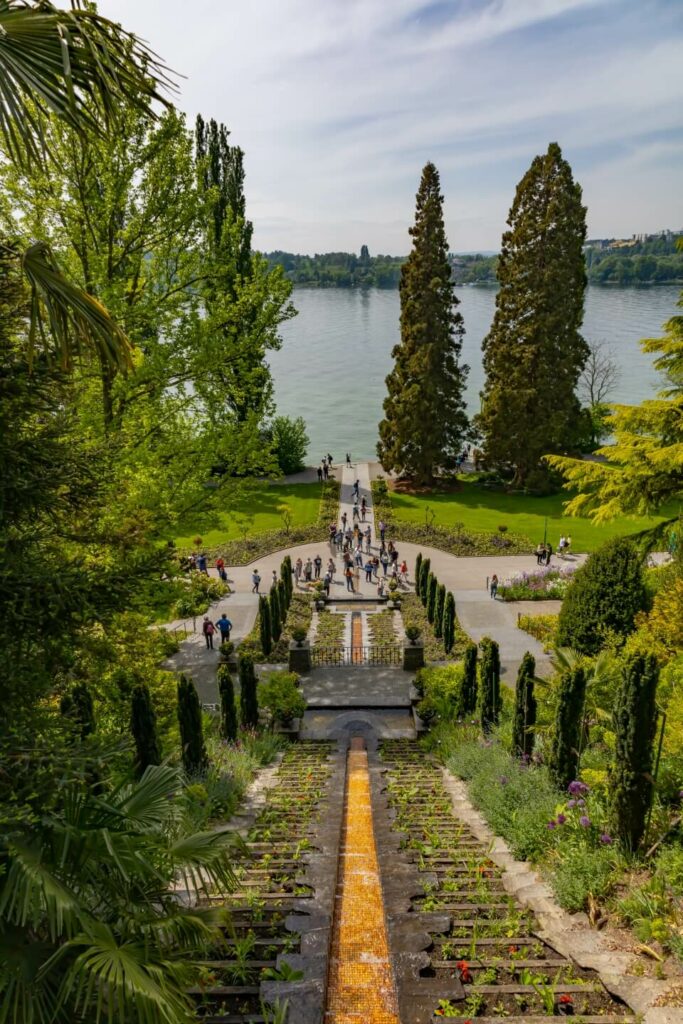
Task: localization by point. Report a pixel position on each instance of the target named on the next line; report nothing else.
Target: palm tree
(96, 903)
(81, 67)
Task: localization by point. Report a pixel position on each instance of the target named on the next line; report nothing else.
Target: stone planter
(290, 729)
(413, 656)
(300, 657)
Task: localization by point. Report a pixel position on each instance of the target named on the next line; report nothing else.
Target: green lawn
(257, 512)
(481, 509)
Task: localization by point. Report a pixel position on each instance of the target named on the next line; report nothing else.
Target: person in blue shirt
(202, 564)
(224, 625)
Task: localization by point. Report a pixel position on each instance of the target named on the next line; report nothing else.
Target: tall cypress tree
(248, 695)
(265, 628)
(525, 708)
(226, 690)
(195, 759)
(468, 692)
(448, 627)
(143, 725)
(286, 575)
(490, 684)
(284, 600)
(565, 748)
(438, 611)
(534, 352)
(635, 724)
(275, 623)
(78, 706)
(425, 573)
(424, 423)
(418, 569)
(432, 587)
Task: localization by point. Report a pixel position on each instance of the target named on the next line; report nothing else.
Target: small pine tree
(78, 706)
(248, 696)
(226, 690)
(432, 587)
(425, 573)
(438, 611)
(286, 575)
(525, 709)
(566, 742)
(635, 725)
(143, 725)
(195, 760)
(275, 620)
(468, 693)
(265, 629)
(605, 594)
(448, 628)
(490, 684)
(418, 569)
(284, 601)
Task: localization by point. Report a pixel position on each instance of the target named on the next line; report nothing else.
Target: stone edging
(570, 934)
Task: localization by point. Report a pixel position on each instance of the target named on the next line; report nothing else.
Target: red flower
(513, 949)
(565, 1000)
(464, 969)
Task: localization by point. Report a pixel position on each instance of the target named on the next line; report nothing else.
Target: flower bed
(542, 627)
(544, 584)
(330, 631)
(381, 629)
(456, 540)
(414, 614)
(299, 616)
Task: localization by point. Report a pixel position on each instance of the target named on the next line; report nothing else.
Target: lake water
(337, 352)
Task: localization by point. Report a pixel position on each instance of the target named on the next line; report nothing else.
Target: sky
(338, 104)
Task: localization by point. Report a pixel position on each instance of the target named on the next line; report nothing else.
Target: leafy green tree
(565, 750)
(290, 442)
(425, 424)
(275, 622)
(534, 352)
(77, 705)
(448, 628)
(438, 611)
(143, 725)
(425, 573)
(468, 693)
(226, 691)
(635, 725)
(195, 759)
(490, 684)
(524, 718)
(432, 588)
(605, 595)
(265, 624)
(248, 694)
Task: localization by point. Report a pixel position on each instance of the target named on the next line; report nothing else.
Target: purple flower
(604, 838)
(576, 788)
(561, 819)
(551, 824)
(571, 804)
(585, 821)
(580, 803)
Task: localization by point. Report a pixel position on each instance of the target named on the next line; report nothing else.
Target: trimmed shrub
(226, 690)
(565, 749)
(468, 701)
(448, 626)
(143, 725)
(424, 580)
(635, 725)
(432, 587)
(265, 627)
(195, 760)
(438, 611)
(524, 718)
(605, 595)
(281, 696)
(248, 697)
(490, 684)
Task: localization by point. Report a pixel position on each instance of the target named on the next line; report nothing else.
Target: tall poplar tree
(534, 352)
(425, 423)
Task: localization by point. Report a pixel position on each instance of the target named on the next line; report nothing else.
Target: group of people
(325, 467)
(200, 563)
(223, 625)
(544, 551)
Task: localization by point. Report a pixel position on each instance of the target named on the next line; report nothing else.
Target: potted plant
(299, 634)
(319, 596)
(413, 633)
(283, 699)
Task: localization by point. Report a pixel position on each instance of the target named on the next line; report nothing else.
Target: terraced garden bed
(381, 628)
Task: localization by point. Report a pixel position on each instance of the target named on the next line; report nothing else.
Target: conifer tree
(283, 599)
(248, 696)
(143, 725)
(566, 742)
(286, 574)
(468, 693)
(635, 724)
(418, 568)
(226, 690)
(265, 628)
(438, 611)
(275, 623)
(448, 628)
(425, 424)
(195, 759)
(425, 573)
(490, 684)
(78, 706)
(432, 587)
(534, 352)
(525, 709)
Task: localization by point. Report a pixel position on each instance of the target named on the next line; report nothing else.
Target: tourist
(326, 584)
(403, 572)
(348, 459)
(192, 561)
(339, 540)
(256, 581)
(208, 631)
(380, 588)
(273, 578)
(308, 570)
(368, 538)
(223, 574)
(326, 470)
(344, 520)
(202, 564)
(219, 564)
(331, 569)
(382, 529)
(494, 586)
(375, 566)
(384, 559)
(320, 474)
(368, 571)
(356, 513)
(349, 536)
(358, 554)
(567, 544)
(298, 569)
(548, 553)
(540, 554)
(561, 547)
(356, 490)
(224, 625)
(329, 460)
(318, 563)
(349, 578)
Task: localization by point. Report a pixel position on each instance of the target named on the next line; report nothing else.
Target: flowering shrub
(546, 583)
(542, 627)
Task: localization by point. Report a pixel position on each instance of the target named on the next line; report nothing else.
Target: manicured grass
(262, 502)
(479, 508)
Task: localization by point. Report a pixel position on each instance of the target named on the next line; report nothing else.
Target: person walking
(348, 459)
(548, 553)
(356, 490)
(561, 547)
(403, 572)
(358, 555)
(567, 544)
(308, 570)
(375, 566)
(540, 554)
(208, 631)
(318, 564)
(329, 460)
(273, 578)
(349, 578)
(494, 586)
(384, 559)
(256, 581)
(326, 584)
(356, 513)
(224, 625)
(368, 539)
(298, 569)
(320, 474)
(326, 471)
(331, 569)
(368, 571)
(202, 564)
(220, 565)
(344, 520)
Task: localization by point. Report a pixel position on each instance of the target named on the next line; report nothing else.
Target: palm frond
(146, 802)
(32, 891)
(203, 860)
(75, 64)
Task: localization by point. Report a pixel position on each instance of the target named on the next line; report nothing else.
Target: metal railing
(371, 654)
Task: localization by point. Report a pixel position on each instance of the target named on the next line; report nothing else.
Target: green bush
(441, 689)
(280, 695)
(290, 443)
(583, 873)
(604, 597)
(200, 591)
